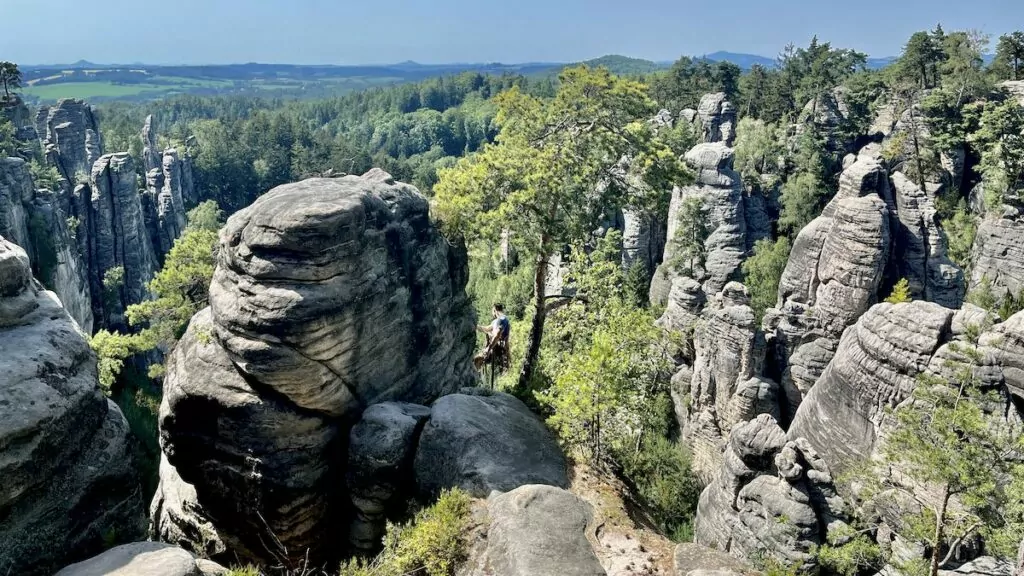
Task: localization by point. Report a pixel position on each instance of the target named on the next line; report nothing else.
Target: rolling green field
(90, 90)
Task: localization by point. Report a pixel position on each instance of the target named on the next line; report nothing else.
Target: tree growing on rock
(949, 439)
(540, 179)
(10, 77)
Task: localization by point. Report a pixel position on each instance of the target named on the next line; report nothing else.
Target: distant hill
(624, 65)
(744, 61)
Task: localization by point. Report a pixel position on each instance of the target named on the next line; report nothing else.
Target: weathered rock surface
(144, 559)
(729, 351)
(317, 282)
(117, 238)
(717, 118)
(984, 566)
(482, 443)
(321, 279)
(772, 497)
(832, 277)
(537, 531)
(380, 451)
(998, 253)
(33, 220)
(919, 250)
(68, 478)
(71, 139)
(874, 368)
(258, 467)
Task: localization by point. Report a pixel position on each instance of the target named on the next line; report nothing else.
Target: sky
(447, 31)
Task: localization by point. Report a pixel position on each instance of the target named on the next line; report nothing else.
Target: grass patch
(89, 90)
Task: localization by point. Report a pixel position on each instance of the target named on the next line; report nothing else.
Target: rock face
(719, 190)
(317, 282)
(537, 531)
(772, 497)
(71, 139)
(144, 559)
(69, 481)
(484, 443)
(380, 452)
(998, 253)
(920, 248)
(33, 220)
(832, 277)
(723, 391)
(117, 238)
(167, 188)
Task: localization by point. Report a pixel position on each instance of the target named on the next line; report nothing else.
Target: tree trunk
(940, 531)
(540, 278)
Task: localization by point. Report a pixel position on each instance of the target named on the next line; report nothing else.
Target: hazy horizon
(320, 32)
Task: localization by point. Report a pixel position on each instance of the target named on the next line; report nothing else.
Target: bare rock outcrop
(330, 295)
(998, 253)
(145, 559)
(833, 275)
(380, 454)
(68, 478)
(117, 239)
(919, 250)
(71, 139)
(34, 220)
(772, 497)
(485, 442)
(729, 352)
(536, 531)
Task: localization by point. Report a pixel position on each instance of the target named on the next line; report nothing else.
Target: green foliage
(805, 192)
(691, 234)
(1009, 60)
(762, 272)
(112, 349)
(434, 543)
(1003, 304)
(946, 437)
(1000, 138)
(10, 79)
(44, 175)
(858, 554)
(960, 230)
(660, 471)
(247, 570)
(8, 144)
(206, 216)
(556, 168)
(759, 150)
(900, 292)
(682, 85)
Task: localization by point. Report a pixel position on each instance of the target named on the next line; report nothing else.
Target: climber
(496, 352)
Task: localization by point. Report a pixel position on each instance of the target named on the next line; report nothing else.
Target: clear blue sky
(437, 31)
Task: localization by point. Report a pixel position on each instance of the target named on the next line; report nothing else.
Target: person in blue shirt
(497, 349)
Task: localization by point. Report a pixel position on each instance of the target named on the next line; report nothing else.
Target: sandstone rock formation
(318, 283)
(772, 497)
(833, 276)
(998, 252)
(117, 238)
(482, 443)
(919, 250)
(68, 479)
(720, 193)
(380, 452)
(71, 139)
(144, 559)
(724, 390)
(537, 531)
(33, 219)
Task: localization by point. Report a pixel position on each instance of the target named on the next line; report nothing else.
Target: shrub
(434, 543)
(660, 471)
(900, 292)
